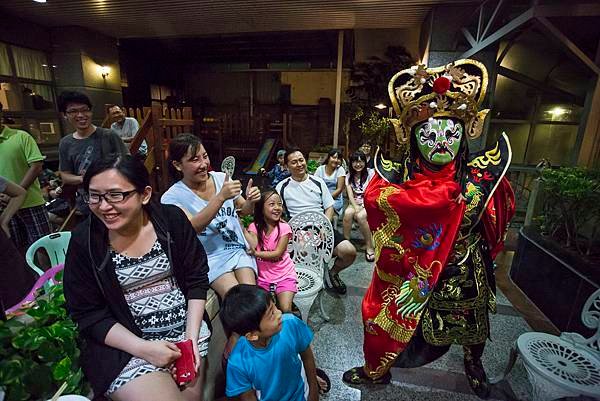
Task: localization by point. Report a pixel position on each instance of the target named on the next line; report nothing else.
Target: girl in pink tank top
(268, 237)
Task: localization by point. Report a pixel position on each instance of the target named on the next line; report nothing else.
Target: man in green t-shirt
(21, 163)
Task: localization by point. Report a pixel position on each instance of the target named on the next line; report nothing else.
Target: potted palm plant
(368, 89)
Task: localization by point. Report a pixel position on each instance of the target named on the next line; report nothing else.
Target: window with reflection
(27, 94)
(518, 135)
(512, 100)
(37, 97)
(552, 142)
(541, 118)
(539, 99)
(559, 112)
(4, 61)
(31, 64)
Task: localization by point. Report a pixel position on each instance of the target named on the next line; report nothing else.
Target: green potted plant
(247, 220)
(557, 263)
(374, 127)
(317, 154)
(571, 211)
(39, 351)
(311, 166)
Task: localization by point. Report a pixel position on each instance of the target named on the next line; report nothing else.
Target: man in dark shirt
(87, 144)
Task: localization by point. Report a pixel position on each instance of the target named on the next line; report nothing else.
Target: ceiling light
(380, 106)
(557, 111)
(39, 1)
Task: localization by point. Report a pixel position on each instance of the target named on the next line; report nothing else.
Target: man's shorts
(28, 225)
(337, 238)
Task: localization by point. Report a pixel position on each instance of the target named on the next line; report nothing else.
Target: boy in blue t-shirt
(267, 362)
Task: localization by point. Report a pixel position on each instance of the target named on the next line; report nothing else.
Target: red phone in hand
(185, 364)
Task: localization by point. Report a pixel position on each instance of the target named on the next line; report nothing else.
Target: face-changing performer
(438, 217)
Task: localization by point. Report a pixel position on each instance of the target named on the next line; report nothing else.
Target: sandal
(323, 376)
(357, 375)
(370, 256)
(335, 283)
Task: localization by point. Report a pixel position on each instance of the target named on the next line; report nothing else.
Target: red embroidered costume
(438, 216)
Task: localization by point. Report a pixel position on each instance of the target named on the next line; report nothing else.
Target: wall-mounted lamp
(557, 111)
(104, 71)
(380, 106)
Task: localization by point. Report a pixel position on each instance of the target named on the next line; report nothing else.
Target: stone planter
(557, 281)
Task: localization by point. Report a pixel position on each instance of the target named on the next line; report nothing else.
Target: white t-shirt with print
(223, 239)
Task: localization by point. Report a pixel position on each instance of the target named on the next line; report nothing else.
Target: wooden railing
(238, 134)
(158, 126)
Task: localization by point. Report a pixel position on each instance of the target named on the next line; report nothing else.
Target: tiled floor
(338, 346)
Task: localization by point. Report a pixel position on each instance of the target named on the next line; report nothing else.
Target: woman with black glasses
(135, 283)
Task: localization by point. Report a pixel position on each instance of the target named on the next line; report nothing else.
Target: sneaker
(335, 283)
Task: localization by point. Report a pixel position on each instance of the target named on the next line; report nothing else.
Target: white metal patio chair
(565, 366)
(311, 248)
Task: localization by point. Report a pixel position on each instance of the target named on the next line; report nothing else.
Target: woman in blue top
(279, 172)
(212, 201)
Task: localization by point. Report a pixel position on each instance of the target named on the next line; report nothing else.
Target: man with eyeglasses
(87, 144)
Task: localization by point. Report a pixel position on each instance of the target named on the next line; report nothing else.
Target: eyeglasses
(74, 112)
(109, 197)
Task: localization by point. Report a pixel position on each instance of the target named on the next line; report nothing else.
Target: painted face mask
(438, 140)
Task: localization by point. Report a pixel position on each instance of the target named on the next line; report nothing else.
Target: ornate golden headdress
(454, 90)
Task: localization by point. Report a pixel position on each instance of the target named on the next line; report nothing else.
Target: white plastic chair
(565, 366)
(311, 248)
(55, 245)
